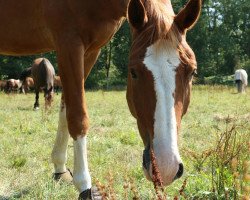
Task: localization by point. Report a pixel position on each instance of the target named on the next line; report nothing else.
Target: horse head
(161, 67)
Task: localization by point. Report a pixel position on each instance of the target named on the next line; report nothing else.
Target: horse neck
(25, 74)
(104, 9)
(122, 5)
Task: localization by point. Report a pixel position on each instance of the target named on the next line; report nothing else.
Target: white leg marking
(81, 177)
(59, 153)
(162, 59)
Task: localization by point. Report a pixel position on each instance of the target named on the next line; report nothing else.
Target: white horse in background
(240, 78)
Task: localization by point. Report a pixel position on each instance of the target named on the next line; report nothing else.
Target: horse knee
(78, 125)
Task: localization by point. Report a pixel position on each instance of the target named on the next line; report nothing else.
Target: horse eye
(133, 73)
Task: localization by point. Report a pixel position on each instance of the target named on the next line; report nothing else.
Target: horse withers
(241, 81)
(42, 73)
(161, 66)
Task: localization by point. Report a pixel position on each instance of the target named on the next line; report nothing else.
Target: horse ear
(136, 14)
(189, 15)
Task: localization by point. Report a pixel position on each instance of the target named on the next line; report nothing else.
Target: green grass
(114, 145)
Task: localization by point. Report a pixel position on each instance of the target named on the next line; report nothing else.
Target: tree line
(220, 40)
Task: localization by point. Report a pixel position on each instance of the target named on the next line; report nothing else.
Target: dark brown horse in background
(161, 66)
(42, 73)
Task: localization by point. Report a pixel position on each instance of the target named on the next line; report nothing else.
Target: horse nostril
(180, 171)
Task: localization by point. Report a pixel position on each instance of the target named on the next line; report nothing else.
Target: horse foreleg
(59, 153)
(48, 94)
(71, 68)
(244, 88)
(36, 105)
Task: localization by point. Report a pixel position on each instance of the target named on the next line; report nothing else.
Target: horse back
(43, 73)
(35, 26)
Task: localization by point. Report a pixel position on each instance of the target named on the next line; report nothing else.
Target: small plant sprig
(157, 180)
(126, 187)
(107, 191)
(246, 178)
(199, 159)
(101, 189)
(227, 166)
(134, 190)
(181, 191)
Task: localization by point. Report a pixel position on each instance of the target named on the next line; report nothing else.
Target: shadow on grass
(16, 195)
(235, 93)
(25, 108)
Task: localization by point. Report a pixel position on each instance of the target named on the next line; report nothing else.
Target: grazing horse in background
(161, 66)
(42, 73)
(241, 81)
(57, 84)
(3, 85)
(26, 73)
(13, 85)
(28, 84)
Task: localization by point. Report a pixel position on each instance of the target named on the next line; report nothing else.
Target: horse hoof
(90, 194)
(64, 176)
(36, 108)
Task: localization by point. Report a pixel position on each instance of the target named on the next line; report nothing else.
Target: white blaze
(162, 59)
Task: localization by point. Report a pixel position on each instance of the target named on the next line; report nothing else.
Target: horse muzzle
(166, 178)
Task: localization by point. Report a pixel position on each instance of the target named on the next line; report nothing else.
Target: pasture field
(214, 145)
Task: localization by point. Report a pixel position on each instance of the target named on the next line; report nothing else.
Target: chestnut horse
(161, 65)
(42, 73)
(28, 84)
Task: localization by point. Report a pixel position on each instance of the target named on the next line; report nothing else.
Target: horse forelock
(160, 26)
